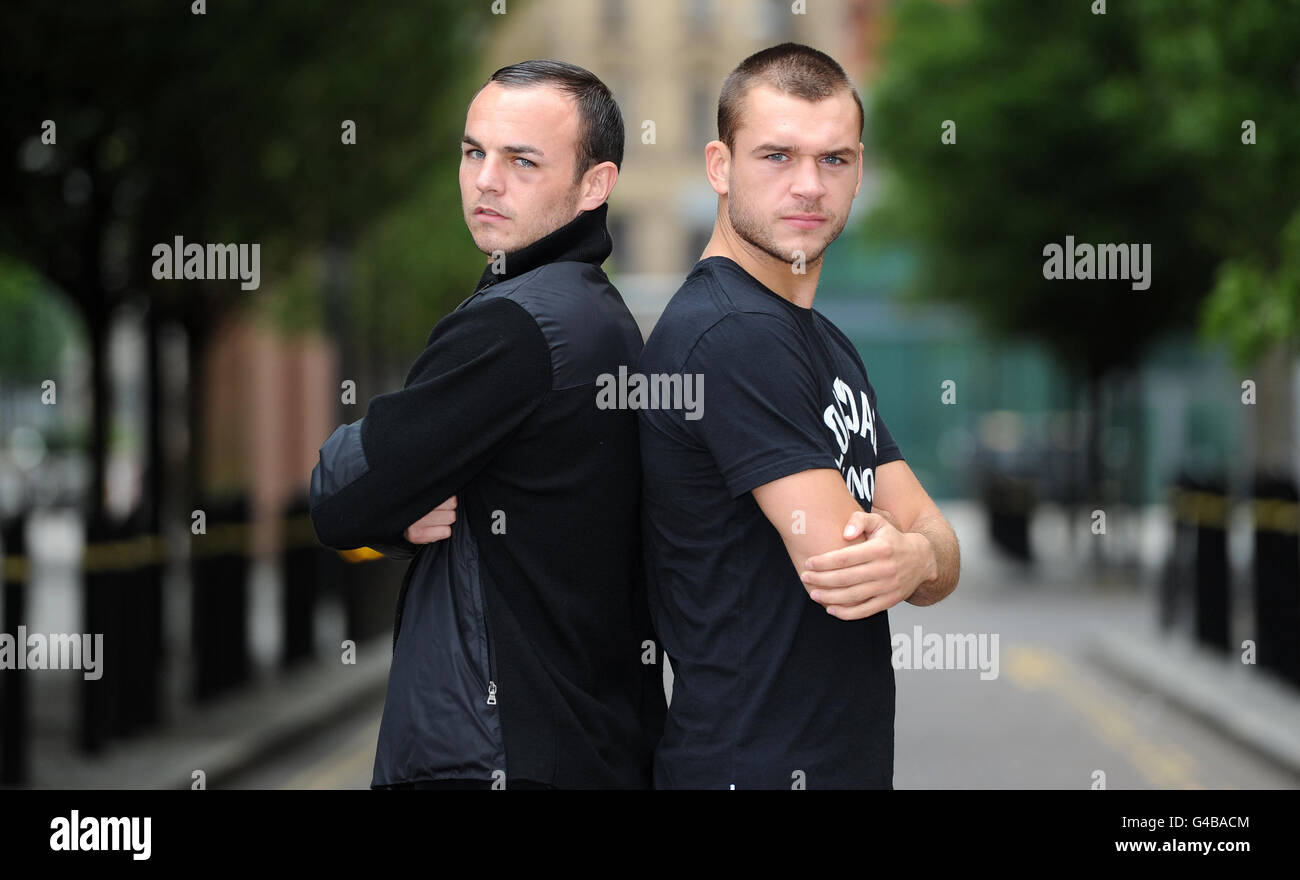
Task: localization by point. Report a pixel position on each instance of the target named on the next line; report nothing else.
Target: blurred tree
(35, 328)
(1117, 128)
(1231, 73)
(1255, 310)
(1256, 300)
(227, 127)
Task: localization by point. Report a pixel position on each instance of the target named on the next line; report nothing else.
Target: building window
(773, 23)
(699, 16)
(613, 17)
(702, 126)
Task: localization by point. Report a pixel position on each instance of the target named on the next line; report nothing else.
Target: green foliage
(35, 328)
(424, 249)
(414, 264)
(1124, 127)
(227, 127)
(1253, 308)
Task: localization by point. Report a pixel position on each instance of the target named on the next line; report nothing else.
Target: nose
(489, 177)
(806, 184)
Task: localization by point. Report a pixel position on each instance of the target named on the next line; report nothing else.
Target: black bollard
(1010, 500)
(98, 697)
(14, 721)
(1210, 503)
(140, 643)
(219, 567)
(153, 642)
(301, 570)
(1277, 576)
(1175, 593)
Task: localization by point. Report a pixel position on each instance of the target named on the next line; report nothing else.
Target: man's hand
(858, 522)
(434, 525)
(878, 573)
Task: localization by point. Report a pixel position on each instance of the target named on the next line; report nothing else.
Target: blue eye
(770, 155)
(471, 151)
(530, 164)
(838, 160)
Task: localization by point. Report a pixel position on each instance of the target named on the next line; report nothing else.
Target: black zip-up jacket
(522, 648)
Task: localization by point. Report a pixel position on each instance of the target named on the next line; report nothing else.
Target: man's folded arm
(482, 372)
(341, 459)
(809, 509)
(765, 430)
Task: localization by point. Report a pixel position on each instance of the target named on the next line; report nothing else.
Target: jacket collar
(584, 239)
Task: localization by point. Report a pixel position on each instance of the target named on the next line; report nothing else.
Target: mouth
(804, 221)
(488, 214)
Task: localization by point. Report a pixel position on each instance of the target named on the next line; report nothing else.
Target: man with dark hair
(600, 134)
(772, 611)
(521, 629)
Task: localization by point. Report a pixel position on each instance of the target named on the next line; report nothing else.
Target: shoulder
(562, 297)
(555, 290)
(842, 340)
(834, 331)
(714, 310)
(491, 317)
(495, 331)
(580, 315)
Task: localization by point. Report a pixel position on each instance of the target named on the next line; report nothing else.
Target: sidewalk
(222, 738)
(1244, 702)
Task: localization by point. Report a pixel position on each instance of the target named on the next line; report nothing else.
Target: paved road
(1050, 719)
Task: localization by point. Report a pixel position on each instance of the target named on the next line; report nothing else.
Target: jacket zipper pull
(492, 693)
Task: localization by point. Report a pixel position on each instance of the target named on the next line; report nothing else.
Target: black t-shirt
(770, 690)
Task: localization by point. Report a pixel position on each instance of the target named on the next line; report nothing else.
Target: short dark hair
(792, 68)
(600, 136)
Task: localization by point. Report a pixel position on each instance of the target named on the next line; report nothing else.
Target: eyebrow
(787, 148)
(508, 148)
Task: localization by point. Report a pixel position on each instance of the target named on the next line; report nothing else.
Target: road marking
(1164, 764)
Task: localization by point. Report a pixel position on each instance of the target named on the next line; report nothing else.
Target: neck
(583, 239)
(778, 275)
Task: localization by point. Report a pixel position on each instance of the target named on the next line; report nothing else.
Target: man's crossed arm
(856, 563)
(852, 562)
(483, 370)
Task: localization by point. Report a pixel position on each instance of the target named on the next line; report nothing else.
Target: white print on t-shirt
(861, 482)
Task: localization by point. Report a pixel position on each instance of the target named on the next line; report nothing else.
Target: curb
(235, 733)
(302, 703)
(1251, 705)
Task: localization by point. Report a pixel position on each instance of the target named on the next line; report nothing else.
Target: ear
(596, 185)
(717, 166)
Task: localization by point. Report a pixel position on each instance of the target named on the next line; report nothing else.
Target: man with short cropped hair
(774, 616)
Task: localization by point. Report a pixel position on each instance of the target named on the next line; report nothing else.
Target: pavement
(223, 738)
(1246, 703)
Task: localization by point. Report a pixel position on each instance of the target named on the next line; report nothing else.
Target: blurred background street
(1120, 463)
(1056, 714)
(1065, 704)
